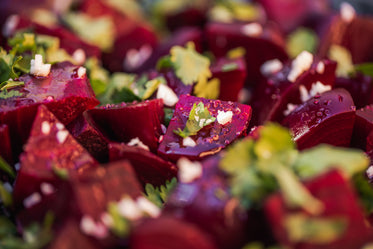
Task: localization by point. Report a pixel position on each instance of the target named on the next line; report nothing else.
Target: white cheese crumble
(148, 207)
(370, 171)
(320, 67)
(46, 188)
(347, 12)
(79, 56)
(107, 219)
(189, 171)
(90, 227)
(38, 68)
(61, 136)
(169, 97)
(316, 88)
(290, 108)
(271, 67)
(299, 65)
(224, 117)
(189, 142)
(252, 29)
(128, 208)
(60, 126)
(45, 127)
(10, 25)
(81, 72)
(134, 58)
(137, 142)
(32, 200)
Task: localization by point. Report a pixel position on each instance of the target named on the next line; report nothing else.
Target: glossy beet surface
(149, 168)
(326, 118)
(362, 128)
(331, 189)
(212, 138)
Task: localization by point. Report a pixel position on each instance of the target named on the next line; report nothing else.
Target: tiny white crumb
(189, 142)
(304, 95)
(244, 95)
(38, 68)
(8, 187)
(138, 143)
(370, 171)
(252, 29)
(224, 117)
(60, 126)
(82, 72)
(32, 200)
(128, 208)
(10, 25)
(201, 122)
(316, 88)
(90, 227)
(148, 207)
(290, 108)
(46, 188)
(134, 58)
(45, 127)
(107, 219)
(167, 94)
(164, 128)
(347, 12)
(271, 67)
(61, 136)
(79, 56)
(320, 67)
(299, 65)
(17, 166)
(189, 171)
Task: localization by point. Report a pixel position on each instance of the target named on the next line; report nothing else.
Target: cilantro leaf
(5, 196)
(120, 226)
(207, 90)
(229, 67)
(300, 40)
(189, 65)
(5, 167)
(159, 195)
(199, 117)
(364, 190)
(365, 68)
(344, 59)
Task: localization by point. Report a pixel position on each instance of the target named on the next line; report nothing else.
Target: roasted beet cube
(212, 138)
(169, 233)
(64, 93)
(232, 75)
(149, 168)
(327, 118)
(261, 44)
(5, 146)
(271, 99)
(84, 131)
(339, 202)
(363, 127)
(124, 122)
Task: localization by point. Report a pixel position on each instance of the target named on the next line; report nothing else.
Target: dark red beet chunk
(124, 122)
(211, 139)
(362, 128)
(176, 84)
(327, 118)
(5, 147)
(149, 168)
(269, 45)
(84, 131)
(64, 93)
(189, 17)
(198, 202)
(339, 200)
(49, 148)
(273, 95)
(232, 75)
(169, 233)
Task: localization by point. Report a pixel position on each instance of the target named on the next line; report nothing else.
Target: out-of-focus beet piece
(262, 43)
(168, 233)
(327, 118)
(362, 128)
(212, 138)
(84, 131)
(188, 17)
(5, 146)
(339, 201)
(149, 168)
(124, 122)
(232, 75)
(175, 83)
(272, 97)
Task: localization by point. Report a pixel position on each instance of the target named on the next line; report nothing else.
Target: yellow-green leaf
(207, 90)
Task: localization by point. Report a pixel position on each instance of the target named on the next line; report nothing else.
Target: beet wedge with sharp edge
(124, 122)
(212, 138)
(327, 118)
(49, 150)
(362, 128)
(149, 168)
(64, 93)
(340, 209)
(272, 97)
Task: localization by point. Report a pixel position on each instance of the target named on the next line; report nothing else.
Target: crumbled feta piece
(201, 122)
(164, 128)
(316, 88)
(134, 58)
(370, 171)
(271, 67)
(137, 142)
(169, 97)
(32, 200)
(148, 207)
(128, 208)
(189, 142)
(61, 136)
(81, 72)
(299, 65)
(60, 126)
(46, 188)
(45, 127)
(107, 219)
(320, 67)
(10, 25)
(90, 227)
(38, 68)
(252, 29)
(347, 12)
(79, 56)
(224, 117)
(290, 108)
(304, 95)
(189, 171)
